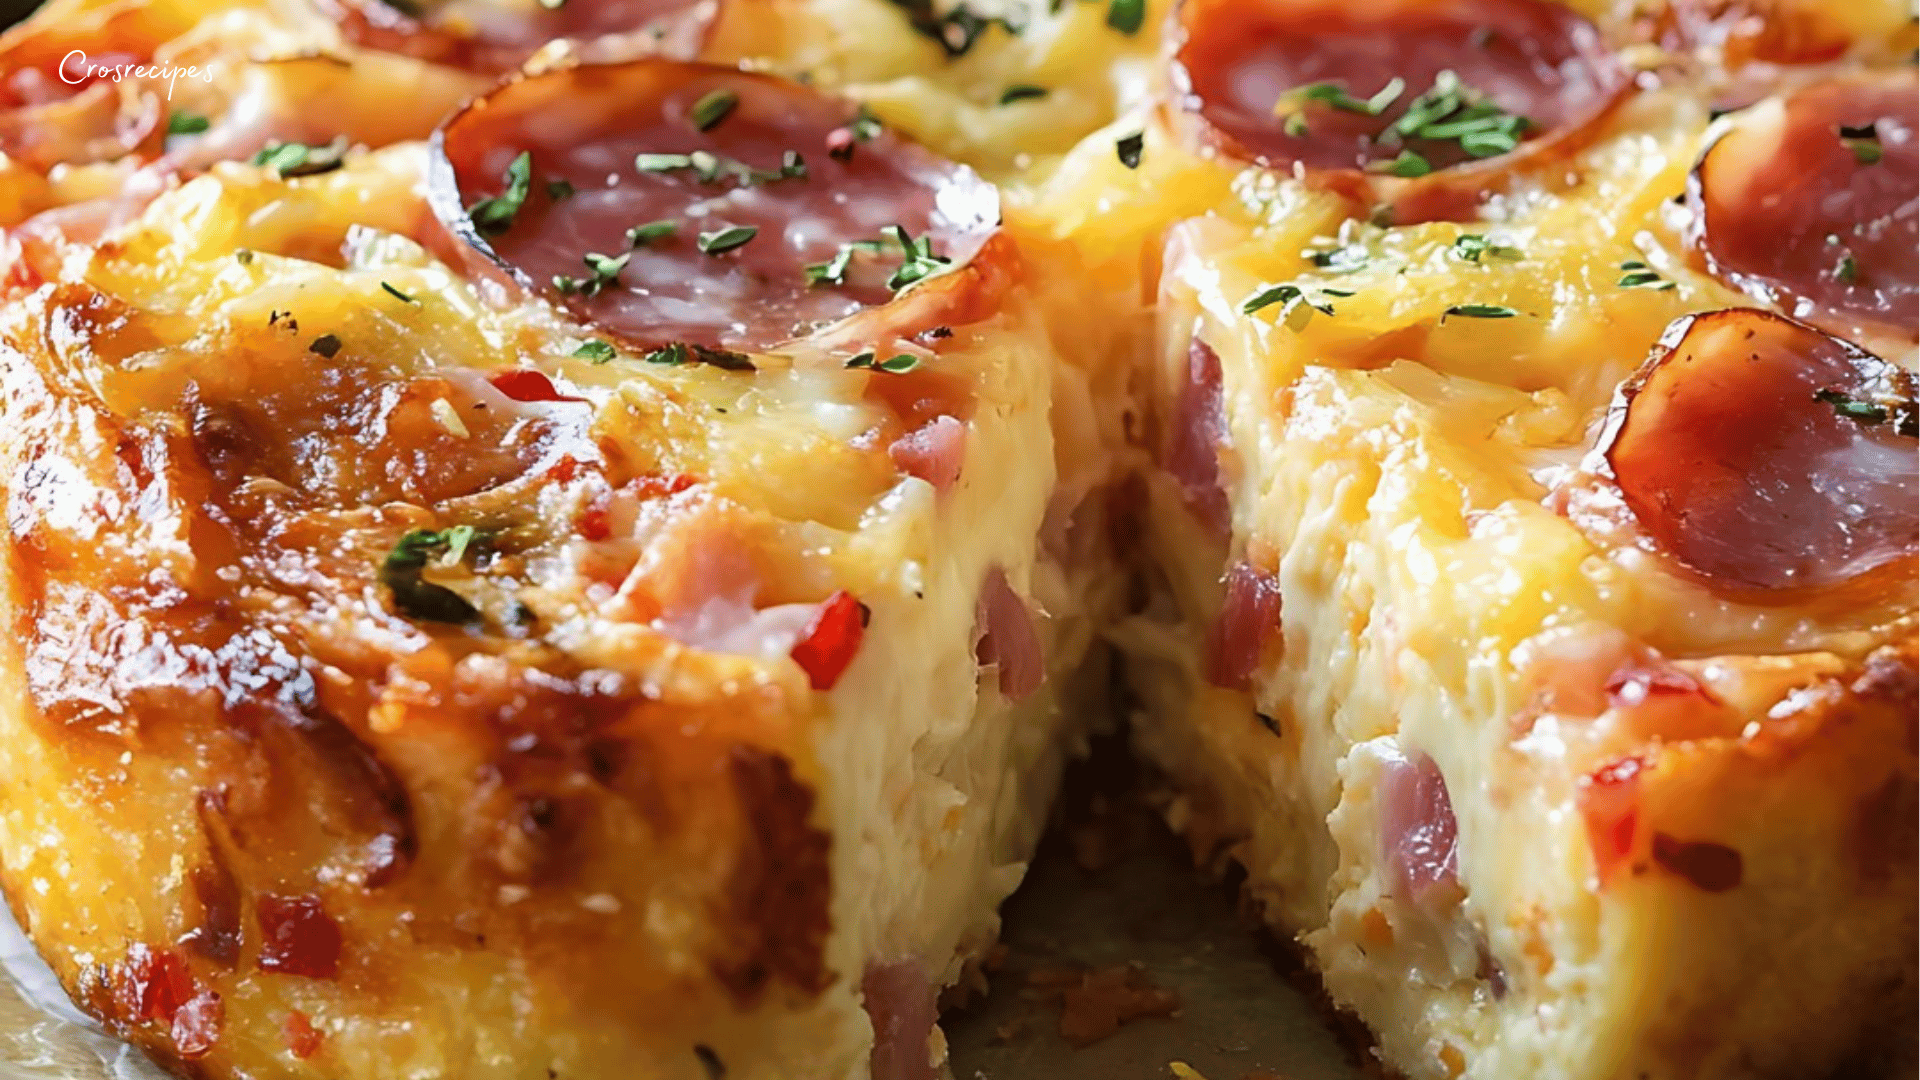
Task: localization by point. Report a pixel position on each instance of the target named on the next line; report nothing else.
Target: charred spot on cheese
(491, 38)
(1472, 89)
(779, 889)
(1811, 202)
(1766, 456)
(1707, 866)
(761, 244)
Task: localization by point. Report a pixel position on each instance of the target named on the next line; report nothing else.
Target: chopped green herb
(1864, 141)
(409, 8)
(710, 168)
(1021, 92)
(595, 351)
(186, 123)
(1129, 147)
(1341, 259)
(300, 159)
(1638, 275)
(418, 598)
(1295, 124)
(1475, 247)
(955, 29)
(681, 352)
(1479, 311)
(834, 270)
(864, 127)
(244, 256)
(1452, 110)
(1847, 272)
(1126, 16)
(1844, 404)
(917, 260)
(721, 241)
(1297, 304)
(1407, 164)
(558, 189)
(397, 294)
(494, 216)
(713, 107)
(642, 235)
(325, 345)
(1336, 96)
(896, 364)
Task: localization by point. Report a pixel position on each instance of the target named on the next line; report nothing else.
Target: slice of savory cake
(594, 595)
(1534, 519)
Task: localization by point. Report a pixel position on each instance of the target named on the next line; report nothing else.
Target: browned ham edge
(1811, 202)
(1238, 61)
(763, 166)
(1766, 457)
(490, 40)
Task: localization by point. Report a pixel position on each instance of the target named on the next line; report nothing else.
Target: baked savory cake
(572, 539)
(1535, 516)
(593, 593)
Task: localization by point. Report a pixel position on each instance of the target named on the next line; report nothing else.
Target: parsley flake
(397, 294)
(494, 216)
(326, 345)
(1864, 142)
(917, 260)
(1297, 305)
(680, 352)
(595, 351)
(1126, 16)
(413, 595)
(721, 241)
(558, 189)
(1844, 404)
(713, 107)
(301, 159)
(642, 235)
(186, 123)
(1406, 163)
(1475, 247)
(1638, 275)
(897, 364)
(1021, 92)
(1129, 148)
(1479, 311)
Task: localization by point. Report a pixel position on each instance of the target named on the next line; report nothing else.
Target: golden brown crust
(184, 587)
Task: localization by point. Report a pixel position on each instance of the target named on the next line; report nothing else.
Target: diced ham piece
(1198, 430)
(1417, 832)
(1249, 620)
(1609, 802)
(899, 1000)
(1811, 202)
(934, 452)
(1261, 76)
(302, 1038)
(491, 37)
(1765, 455)
(1007, 637)
(298, 937)
(831, 640)
(712, 152)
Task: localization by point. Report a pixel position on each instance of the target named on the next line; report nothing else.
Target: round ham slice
(1765, 455)
(728, 176)
(1422, 105)
(1811, 202)
(57, 103)
(495, 36)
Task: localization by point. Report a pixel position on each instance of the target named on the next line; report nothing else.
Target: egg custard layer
(573, 540)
